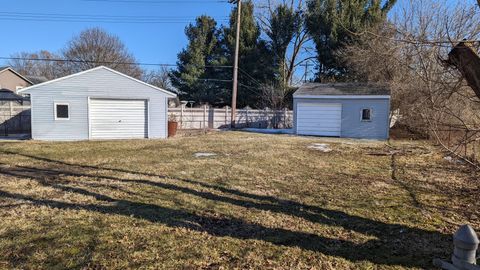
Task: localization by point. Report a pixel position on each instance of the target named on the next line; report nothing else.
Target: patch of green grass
(264, 202)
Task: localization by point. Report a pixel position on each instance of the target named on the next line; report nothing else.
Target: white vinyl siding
(118, 119)
(78, 91)
(320, 119)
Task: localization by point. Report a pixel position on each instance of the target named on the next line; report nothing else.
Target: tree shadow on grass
(394, 244)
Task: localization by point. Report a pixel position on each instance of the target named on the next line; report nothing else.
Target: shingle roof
(36, 79)
(6, 94)
(341, 89)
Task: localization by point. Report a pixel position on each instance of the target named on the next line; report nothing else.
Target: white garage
(98, 104)
(321, 119)
(350, 110)
(118, 119)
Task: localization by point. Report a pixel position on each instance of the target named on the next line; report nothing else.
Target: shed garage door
(320, 119)
(118, 119)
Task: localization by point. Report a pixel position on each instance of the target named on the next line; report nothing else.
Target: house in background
(99, 103)
(12, 80)
(14, 108)
(347, 110)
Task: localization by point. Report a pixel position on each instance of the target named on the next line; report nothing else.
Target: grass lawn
(264, 202)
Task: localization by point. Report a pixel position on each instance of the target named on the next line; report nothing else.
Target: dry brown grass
(265, 202)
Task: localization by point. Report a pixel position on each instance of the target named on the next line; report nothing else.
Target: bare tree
(41, 63)
(159, 78)
(284, 24)
(94, 47)
(410, 55)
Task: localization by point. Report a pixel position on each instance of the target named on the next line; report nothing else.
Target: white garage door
(321, 119)
(118, 119)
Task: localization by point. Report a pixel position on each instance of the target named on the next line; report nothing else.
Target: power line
(119, 63)
(439, 43)
(90, 15)
(95, 21)
(100, 62)
(213, 80)
(57, 17)
(250, 76)
(251, 89)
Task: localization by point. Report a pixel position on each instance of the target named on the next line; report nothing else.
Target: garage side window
(366, 114)
(62, 111)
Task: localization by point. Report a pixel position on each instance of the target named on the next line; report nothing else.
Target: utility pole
(235, 65)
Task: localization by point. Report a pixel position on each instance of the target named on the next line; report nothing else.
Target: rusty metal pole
(235, 65)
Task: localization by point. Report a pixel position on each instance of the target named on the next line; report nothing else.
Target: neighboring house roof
(3, 69)
(341, 89)
(36, 79)
(7, 95)
(94, 69)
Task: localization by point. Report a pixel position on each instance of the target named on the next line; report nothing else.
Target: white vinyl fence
(214, 118)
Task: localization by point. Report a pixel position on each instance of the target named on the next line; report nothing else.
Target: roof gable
(97, 69)
(4, 69)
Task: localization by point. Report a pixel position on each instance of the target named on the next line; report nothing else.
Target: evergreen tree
(194, 72)
(334, 24)
(201, 75)
(255, 62)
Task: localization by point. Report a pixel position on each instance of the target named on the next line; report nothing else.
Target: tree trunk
(467, 61)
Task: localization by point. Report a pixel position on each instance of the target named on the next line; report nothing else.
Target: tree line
(275, 40)
(91, 48)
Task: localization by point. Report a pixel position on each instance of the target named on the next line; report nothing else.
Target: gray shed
(342, 110)
(99, 103)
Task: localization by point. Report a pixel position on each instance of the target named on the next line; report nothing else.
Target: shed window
(366, 114)
(62, 111)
